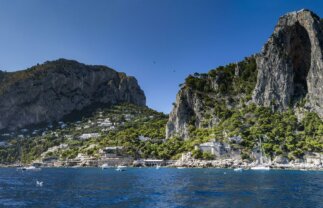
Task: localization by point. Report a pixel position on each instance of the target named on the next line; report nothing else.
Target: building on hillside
(213, 147)
(149, 162)
(105, 123)
(111, 152)
(143, 138)
(49, 161)
(89, 136)
(128, 117)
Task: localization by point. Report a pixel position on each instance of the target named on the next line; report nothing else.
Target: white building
(143, 138)
(105, 123)
(89, 135)
(215, 148)
(128, 117)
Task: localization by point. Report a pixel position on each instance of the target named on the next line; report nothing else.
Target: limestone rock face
(187, 106)
(290, 66)
(47, 92)
(289, 71)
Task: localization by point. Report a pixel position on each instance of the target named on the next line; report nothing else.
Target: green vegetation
(40, 70)
(280, 132)
(232, 79)
(223, 93)
(141, 121)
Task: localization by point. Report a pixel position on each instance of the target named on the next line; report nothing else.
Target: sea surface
(166, 187)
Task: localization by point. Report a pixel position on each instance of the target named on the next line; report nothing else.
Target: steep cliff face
(204, 99)
(290, 66)
(187, 110)
(47, 92)
(287, 72)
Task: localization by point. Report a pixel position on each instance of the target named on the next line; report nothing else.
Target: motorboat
(260, 167)
(237, 169)
(105, 166)
(157, 167)
(29, 168)
(121, 168)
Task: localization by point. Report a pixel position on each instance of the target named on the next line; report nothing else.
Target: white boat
(29, 168)
(260, 167)
(157, 167)
(121, 168)
(105, 166)
(39, 183)
(181, 167)
(237, 169)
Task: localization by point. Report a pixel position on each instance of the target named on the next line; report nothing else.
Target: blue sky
(160, 42)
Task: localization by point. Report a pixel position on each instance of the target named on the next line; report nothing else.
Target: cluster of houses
(89, 136)
(27, 133)
(81, 130)
(111, 155)
(104, 123)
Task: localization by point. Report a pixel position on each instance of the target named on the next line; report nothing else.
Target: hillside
(271, 101)
(265, 108)
(138, 129)
(47, 92)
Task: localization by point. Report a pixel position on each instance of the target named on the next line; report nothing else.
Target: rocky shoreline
(315, 163)
(188, 162)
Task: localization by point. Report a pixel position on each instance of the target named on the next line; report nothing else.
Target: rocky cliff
(290, 66)
(50, 91)
(205, 99)
(288, 72)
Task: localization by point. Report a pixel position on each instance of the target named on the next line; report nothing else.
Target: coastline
(309, 164)
(194, 163)
(231, 164)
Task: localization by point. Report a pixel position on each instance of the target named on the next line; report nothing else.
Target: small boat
(157, 167)
(105, 166)
(121, 168)
(303, 169)
(29, 168)
(261, 167)
(237, 169)
(39, 183)
(181, 167)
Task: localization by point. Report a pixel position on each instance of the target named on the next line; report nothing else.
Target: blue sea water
(166, 187)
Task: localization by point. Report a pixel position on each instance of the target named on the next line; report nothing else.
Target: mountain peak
(49, 91)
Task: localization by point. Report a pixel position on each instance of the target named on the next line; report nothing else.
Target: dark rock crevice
(299, 51)
(290, 65)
